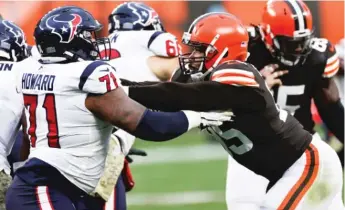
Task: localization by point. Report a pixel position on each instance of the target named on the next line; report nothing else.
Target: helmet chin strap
(215, 64)
(208, 49)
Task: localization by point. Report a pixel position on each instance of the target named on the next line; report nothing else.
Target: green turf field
(183, 184)
(187, 173)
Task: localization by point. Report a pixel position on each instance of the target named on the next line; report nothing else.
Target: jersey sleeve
(98, 78)
(164, 44)
(235, 74)
(332, 61)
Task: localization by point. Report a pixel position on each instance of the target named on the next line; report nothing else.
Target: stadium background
(189, 172)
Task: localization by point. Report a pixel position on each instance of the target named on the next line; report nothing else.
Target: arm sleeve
(163, 126)
(199, 96)
(125, 82)
(98, 78)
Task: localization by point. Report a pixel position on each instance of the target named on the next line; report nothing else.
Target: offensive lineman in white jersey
(137, 32)
(72, 103)
(12, 49)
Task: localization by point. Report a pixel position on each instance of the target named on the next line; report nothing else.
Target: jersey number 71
(31, 103)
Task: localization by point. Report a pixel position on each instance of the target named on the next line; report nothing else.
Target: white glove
(126, 140)
(205, 119)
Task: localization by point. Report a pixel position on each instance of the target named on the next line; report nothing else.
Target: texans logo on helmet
(16, 31)
(144, 13)
(64, 27)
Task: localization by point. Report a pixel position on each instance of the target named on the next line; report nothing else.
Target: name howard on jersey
(38, 82)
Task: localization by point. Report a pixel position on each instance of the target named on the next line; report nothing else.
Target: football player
(72, 103)
(297, 66)
(136, 31)
(288, 165)
(12, 50)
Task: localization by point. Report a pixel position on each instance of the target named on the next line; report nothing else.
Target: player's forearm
(163, 126)
(125, 82)
(333, 116)
(203, 96)
(119, 110)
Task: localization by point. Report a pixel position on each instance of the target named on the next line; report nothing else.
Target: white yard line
(175, 198)
(196, 153)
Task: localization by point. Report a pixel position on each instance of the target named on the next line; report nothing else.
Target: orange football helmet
(287, 29)
(218, 37)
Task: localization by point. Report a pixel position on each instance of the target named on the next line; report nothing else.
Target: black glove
(134, 151)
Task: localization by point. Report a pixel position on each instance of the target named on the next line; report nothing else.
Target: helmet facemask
(191, 64)
(92, 46)
(292, 51)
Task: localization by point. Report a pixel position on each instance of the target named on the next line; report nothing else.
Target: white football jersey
(62, 131)
(137, 46)
(11, 108)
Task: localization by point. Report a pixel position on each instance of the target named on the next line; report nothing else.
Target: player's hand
(214, 118)
(5, 181)
(271, 76)
(134, 151)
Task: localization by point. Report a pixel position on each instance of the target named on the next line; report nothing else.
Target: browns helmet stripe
(297, 11)
(304, 16)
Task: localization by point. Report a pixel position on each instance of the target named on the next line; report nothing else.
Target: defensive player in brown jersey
(296, 65)
(283, 161)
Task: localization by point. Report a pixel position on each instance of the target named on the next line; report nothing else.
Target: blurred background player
(298, 67)
(136, 31)
(12, 50)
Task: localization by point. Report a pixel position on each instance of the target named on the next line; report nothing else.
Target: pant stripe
(308, 177)
(43, 198)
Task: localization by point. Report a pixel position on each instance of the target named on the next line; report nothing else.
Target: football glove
(134, 151)
(206, 119)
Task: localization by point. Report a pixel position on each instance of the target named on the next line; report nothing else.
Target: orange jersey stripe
(232, 72)
(227, 74)
(331, 63)
(237, 81)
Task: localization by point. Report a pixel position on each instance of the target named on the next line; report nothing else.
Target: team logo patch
(65, 27)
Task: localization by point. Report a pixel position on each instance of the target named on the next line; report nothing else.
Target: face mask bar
(99, 44)
(188, 61)
(292, 51)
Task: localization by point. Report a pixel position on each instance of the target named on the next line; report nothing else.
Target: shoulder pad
(164, 44)
(327, 55)
(98, 78)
